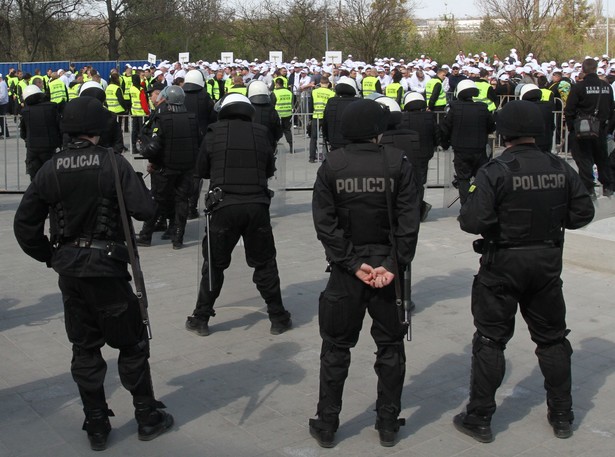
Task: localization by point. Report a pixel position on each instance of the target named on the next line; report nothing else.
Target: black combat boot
(152, 421)
(478, 427)
(168, 233)
(178, 238)
(198, 325)
(98, 427)
(561, 423)
(323, 431)
(387, 430)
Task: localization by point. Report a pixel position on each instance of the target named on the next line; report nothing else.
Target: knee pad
(480, 341)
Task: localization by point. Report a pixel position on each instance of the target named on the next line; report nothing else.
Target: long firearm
(133, 253)
(408, 301)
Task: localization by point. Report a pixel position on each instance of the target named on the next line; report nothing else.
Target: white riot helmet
(346, 86)
(530, 92)
(466, 89)
(31, 90)
(235, 105)
(391, 105)
(414, 101)
(258, 92)
(92, 89)
(195, 77)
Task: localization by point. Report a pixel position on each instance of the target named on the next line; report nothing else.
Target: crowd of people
(382, 123)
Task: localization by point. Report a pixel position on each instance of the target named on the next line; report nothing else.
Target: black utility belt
(482, 246)
(114, 249)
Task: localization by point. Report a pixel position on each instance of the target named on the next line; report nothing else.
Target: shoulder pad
(394, 156)
(337, 159)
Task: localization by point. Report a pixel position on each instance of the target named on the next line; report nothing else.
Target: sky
(429, 9)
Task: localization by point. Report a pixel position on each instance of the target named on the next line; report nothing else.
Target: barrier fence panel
(30, 67)
(102, 67)
(6, 66)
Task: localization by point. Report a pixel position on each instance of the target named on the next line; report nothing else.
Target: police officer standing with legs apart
(238, 159)
(352, 209)
(76, 188)
(521, 203)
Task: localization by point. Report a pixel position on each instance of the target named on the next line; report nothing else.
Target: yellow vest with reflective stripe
(228, 84)
(429, 88)
(73, 91)
(320, 96)
(12, 81)
(135, 99)
(57, 91)
(20, 88)
(392, 90)
(483, 88)
(243, 90)
(127, 85)
(283, 102)
(547, 95)
(369, 85)
(112, 102)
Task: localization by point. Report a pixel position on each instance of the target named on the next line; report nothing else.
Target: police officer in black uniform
(112, 136)
(200, 103)
(352, 221)
(76, 188)
(466, 127)
(172, 151)
(532, 93)
(346, 92)
(264, 110)
(585, 97)
(416, 117)
(238, 159)
(521, 203)
(40, 128)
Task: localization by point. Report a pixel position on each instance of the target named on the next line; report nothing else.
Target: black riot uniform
(466, 127)
(424, 123)
(76, 189)
(200, 103)
(237, 157)
(172, 151)
(264, 111)
(351, 219)
(521, 203)
(40, 128)
(345, 94)
(585, 97)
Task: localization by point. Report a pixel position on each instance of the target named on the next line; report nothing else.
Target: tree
(527, 22)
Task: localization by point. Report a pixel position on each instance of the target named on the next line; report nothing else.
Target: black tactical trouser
(101, 311)
(467, 163)
(420, 165)
(341, 311)
(193, 200)
(531, 278)
(287, 129)
(586, 153)
(171, 193)
(252, 222)
(137, 123)
(35, 160)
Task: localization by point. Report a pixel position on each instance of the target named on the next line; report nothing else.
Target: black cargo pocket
(118, 325)
(518, 223)
(333, 314)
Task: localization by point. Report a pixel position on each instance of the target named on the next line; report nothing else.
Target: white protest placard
(184, 57)
(151, 58)
(333, 57)
(275, 57)
(226, 57)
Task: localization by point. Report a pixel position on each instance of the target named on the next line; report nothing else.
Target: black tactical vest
(239, 156)
(534, 198)
(181, 140)
(200, 103)
(266, 115)
(42, 126)
(470, 125)
(92, 212)
(422, 122)
(358, 186)
(406, 140)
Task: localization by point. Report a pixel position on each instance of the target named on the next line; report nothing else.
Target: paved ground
(242, 392)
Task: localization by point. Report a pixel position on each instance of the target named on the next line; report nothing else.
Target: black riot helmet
(364, 119)
(519, 118)
(84, 116)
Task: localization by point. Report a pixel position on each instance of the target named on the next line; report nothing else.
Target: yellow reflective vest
(430, 87)
(321, 96)
(483, 88)
(112, 101)
(57, 91)
(369, 85)
(135, 101)
(283, 102)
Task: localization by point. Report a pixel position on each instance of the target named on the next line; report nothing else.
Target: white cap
(157, 73)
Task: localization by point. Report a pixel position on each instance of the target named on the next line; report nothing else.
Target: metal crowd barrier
(294, 170)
